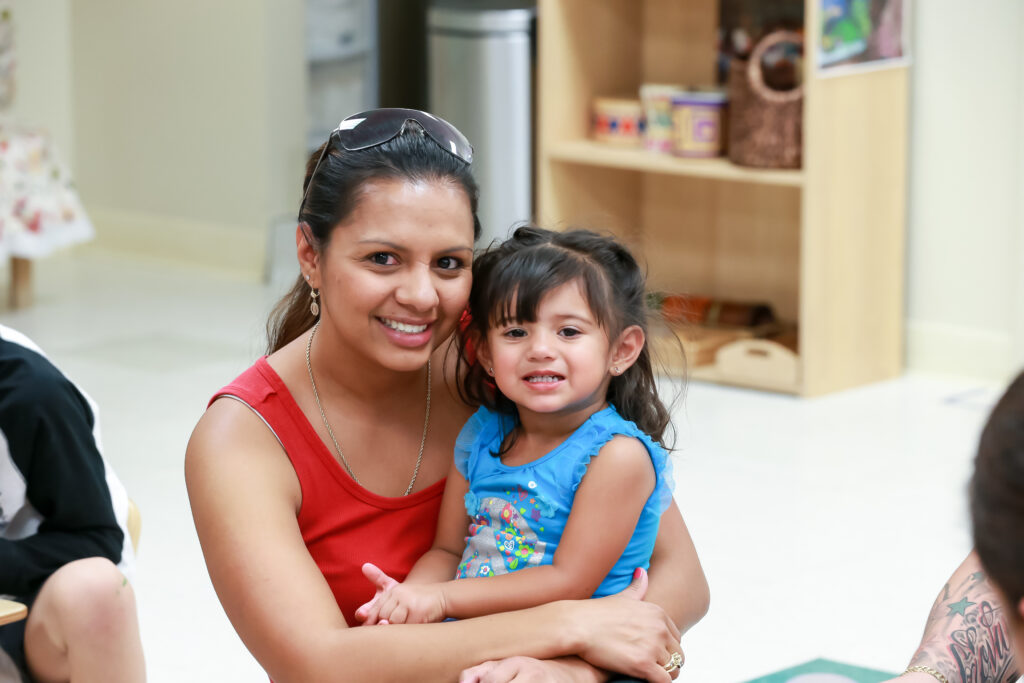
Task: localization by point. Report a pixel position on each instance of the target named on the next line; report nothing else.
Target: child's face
(558, 365)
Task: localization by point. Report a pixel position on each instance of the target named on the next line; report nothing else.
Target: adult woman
(385, 242)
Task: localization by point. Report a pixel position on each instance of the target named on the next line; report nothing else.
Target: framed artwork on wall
(861, 35)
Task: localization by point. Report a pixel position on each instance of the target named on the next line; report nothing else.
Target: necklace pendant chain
(327, 425)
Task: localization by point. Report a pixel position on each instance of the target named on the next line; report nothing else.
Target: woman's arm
(678, 583)
(595, 536)
(245, 498)
(966, 625)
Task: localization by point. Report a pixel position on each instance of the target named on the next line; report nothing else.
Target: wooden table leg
(21, 282)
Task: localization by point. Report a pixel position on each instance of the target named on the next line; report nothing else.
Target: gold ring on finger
(674, 662)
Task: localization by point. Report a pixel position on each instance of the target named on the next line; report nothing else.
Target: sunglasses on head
(375, 127)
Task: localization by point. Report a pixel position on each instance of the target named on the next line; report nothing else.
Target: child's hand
(405, 603)
(382, 582)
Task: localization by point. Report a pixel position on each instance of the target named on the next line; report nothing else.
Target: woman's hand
(525, 669)
(624, 634)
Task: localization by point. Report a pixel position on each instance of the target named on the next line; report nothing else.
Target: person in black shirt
(63, 547)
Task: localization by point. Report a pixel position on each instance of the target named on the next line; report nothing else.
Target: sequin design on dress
(500, 537)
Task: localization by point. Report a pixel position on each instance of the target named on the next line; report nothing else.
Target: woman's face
(394, 277)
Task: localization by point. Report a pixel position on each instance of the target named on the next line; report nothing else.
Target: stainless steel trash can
(480, 74)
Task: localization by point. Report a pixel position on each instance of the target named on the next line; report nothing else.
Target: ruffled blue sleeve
(468, 436)
(594, 434)
(666, 484)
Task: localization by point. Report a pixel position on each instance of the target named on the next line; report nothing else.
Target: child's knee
(89, 594)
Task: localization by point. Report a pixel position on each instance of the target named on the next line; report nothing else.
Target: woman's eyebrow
(399, 247)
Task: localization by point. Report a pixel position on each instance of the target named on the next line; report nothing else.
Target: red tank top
(342, 524)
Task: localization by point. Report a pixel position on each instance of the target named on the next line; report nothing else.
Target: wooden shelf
(592, 153)
(710, 373)
(824, 246)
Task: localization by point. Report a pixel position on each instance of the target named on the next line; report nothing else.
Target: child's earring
(615, 369)
(490, 371)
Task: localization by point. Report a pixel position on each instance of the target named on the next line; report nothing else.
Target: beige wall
(43, 96)
(189, 123)
(965, 305)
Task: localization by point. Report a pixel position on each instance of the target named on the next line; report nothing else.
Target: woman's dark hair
(997, 494)
(335, 190)
(509, 281)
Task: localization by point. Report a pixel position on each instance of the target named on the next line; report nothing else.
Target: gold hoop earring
(314, 307)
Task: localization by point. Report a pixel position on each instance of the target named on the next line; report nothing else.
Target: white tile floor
(825, 526)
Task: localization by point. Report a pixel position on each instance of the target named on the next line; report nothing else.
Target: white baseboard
(954, 349)
(234, 248)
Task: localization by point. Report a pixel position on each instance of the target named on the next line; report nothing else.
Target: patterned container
(657, 103)
(698, 120)
(618, 121)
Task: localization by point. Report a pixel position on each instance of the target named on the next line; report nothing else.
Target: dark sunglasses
(375, 127)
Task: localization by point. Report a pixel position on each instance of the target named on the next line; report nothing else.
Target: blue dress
(519, 512)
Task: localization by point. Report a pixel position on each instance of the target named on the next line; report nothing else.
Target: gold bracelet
(927, 670)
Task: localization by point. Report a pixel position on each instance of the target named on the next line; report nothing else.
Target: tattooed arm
(966, 637)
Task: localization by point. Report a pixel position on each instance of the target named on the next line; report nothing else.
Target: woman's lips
(407, 334)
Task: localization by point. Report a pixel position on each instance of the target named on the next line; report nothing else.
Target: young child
(562, 471)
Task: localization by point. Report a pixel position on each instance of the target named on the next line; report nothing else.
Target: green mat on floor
(825, 671)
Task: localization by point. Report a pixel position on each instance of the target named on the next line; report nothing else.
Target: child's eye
(449, 263)
(515, 332)
(383, 258)
(570, 332)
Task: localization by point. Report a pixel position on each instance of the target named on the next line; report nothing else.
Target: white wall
(42, 97)
(189, 123)
(965, 288)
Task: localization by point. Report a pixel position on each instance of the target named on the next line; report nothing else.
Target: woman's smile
(405, 334)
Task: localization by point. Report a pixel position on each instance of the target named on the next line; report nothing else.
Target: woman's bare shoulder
(231, 438)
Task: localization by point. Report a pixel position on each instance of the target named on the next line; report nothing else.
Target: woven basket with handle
(765, 125)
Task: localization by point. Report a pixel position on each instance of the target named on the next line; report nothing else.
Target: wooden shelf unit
(824, 245)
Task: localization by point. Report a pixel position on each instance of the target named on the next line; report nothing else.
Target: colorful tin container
(619, 121)
(657, 103)
(698, 123)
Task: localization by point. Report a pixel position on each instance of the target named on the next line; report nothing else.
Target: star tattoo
(960, 607)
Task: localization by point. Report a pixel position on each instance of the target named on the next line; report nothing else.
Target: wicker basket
(764, 124)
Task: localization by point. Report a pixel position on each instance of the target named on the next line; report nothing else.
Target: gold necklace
(426, 420)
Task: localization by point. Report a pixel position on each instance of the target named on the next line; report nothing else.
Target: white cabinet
(341, 57)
